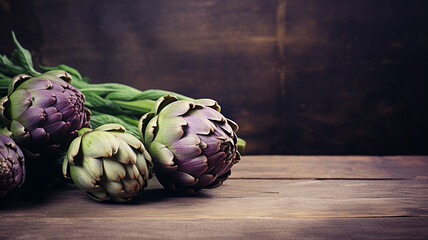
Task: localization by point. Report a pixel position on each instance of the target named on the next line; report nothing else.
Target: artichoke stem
(241, 145)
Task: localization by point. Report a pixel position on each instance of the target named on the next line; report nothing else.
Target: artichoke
(12, 169)
(43, 113)
(193, 146)
(108, 163)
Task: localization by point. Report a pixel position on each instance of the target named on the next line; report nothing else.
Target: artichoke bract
(193, 146)
(44, 113)
(108, 163)
(12, 168)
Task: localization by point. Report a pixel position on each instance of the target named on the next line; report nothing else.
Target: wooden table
(267, 197)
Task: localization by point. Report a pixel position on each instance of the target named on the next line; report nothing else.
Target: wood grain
(298, 76)
(332, 167)
(316, 229)
(379, 198)
(244, 199)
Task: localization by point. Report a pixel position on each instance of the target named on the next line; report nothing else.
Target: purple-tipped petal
(226, 128)
(20, 100)
(204, 180)
(43, 98)
(32, 117)
(213, 145)
(39, 135)
(198, 123)
(62, 101)
(50, 110)
(226, 168)
(212, 114)
(195, 166)
(57, 85)
(68, 112)
(233, 125)
(56, 129)
(183, 179)
(215, 159)
(218, 168)
(35, 84)
(187, 147)
(63, 80)
(52, 118)
(74, 121)
(207, 102)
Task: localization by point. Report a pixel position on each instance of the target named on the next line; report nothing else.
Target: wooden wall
(299, 76)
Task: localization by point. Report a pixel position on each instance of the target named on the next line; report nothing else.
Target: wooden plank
(332, 167)
(243, 208)
(242, 199)
(128, 228)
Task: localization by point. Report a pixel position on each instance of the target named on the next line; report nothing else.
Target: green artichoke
(12, 168)
(192, 144)
(108, 163)
(44, 113)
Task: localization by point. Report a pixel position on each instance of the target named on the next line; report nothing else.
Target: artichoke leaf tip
(162, 102)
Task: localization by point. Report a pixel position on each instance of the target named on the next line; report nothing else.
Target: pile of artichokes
(110, 138)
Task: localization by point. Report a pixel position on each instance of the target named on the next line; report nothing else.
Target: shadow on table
(29, 197)
(157, 195)
(32, 196)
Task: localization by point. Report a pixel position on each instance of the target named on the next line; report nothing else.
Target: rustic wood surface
(298, 76)
(267, 197)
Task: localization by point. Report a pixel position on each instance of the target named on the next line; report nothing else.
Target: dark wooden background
(299, 76)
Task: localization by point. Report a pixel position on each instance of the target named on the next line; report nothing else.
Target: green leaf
(100, 91)
(128, 119)
(120, 95)
(155, 94)
(72, 71)
(5, 60)
(151, 94)
(139, 106)
(22, 57)
(86, 79)
(9, 69)
(2, 76)
(98, 119)
(4, 85)
(97, 103)
(114, 87)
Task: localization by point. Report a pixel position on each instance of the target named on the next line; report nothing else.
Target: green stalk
(143, 105)
(4, 84)
(23, 57)
(241, 145)
(108, 102)
(129, 120)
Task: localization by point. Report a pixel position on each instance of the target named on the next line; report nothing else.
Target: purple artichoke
(12, 169)
(44, 113)
(193, 146)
